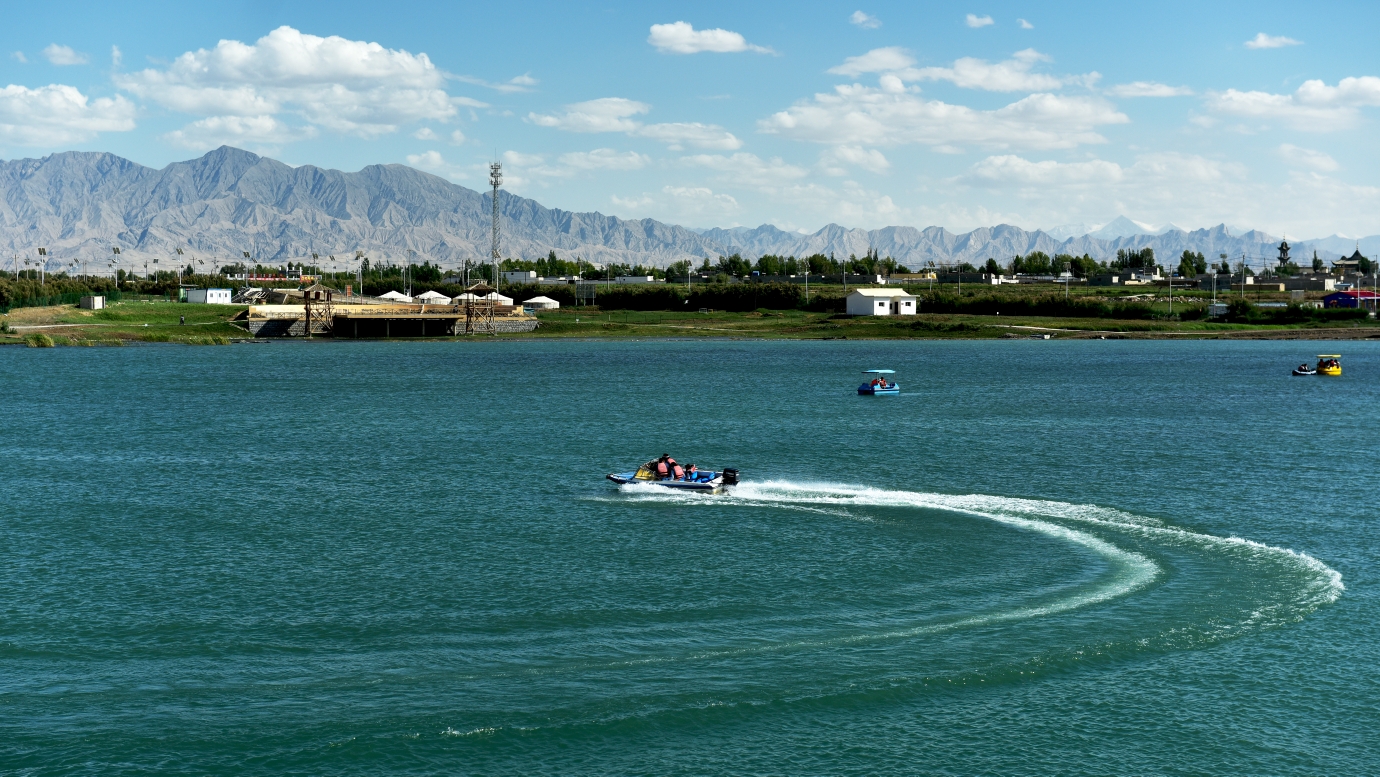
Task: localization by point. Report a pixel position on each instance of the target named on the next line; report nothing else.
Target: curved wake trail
(1315, 583)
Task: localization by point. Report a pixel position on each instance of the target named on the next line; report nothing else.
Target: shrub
(38, 341)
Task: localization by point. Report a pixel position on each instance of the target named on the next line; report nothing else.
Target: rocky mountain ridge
(79, 205)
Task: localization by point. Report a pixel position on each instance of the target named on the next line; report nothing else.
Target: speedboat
(706, 481)
(1329, 364)
(879, 385)
(1305, 369)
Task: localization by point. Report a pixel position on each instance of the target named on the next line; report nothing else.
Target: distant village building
(209, 296)
(880, 302)
(1350, 265)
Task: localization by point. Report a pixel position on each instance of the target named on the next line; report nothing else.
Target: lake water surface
(389, 558)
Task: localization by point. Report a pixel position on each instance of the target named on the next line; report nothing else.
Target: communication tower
(496, 179)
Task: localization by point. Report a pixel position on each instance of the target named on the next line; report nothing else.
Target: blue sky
(722, 114)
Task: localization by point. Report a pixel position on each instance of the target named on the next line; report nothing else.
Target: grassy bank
(122, 322)
(975, 316)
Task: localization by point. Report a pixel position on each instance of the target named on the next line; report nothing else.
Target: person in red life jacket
(663, 469)
(677, 471)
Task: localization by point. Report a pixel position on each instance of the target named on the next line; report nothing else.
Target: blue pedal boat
(879, 385)
(705, 481)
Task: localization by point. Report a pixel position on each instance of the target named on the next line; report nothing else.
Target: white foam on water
(1322, 585)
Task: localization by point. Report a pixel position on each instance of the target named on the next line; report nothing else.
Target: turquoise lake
(1044, 557)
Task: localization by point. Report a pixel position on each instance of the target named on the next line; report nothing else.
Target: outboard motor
(730, 477)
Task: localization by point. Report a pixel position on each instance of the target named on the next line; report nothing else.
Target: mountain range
(80, 205)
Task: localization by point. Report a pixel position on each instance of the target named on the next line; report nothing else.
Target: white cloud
(863, 116)
(57, 115)
(605, 159)
(1263, 41)
(700, 201)
(1307, 157)
(433, 162)
(19, 56)
(976, 21)
(457, 138)
(522, 83)
(749, 170)
(116, 57)
(1186, 189)
(615, 114)
(1012, 75)
(865, 21)
(1313, 106)
(884, 60)
(1025, 25)
(606, 114)
(64, 55)
(677, 135)
(683, 38)
(1148, 89)
(214, 131)
(425, 133)
(342, 85)
(838, 159)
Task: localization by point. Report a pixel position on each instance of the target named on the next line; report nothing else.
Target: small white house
(880, 302)
(541, 303)
(520, 276)
(92, 303)
(209, 296)
(433, 298)
(395, 296)
(636, 279)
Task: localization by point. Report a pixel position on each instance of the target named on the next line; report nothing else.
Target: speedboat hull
(1298, 371)
(877, 391)
(705, 482)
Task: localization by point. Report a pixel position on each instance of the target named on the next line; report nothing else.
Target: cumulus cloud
(57, 115)
(1012, 75)
(1025, 25)
(615, 114)
(425, 133)
(976, 21)
(1309, 158)
(858, 115)
(1148, 89)
(1314, 106)
(865, 21)
(749, 170)
(19, 56)
(1263, 41)
(64, 55)
(838, 160)
(683, 38)
(700, 201)
(457, 138)
(341, 85)
(117, 58)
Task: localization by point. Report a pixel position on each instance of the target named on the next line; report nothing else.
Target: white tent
(541, 303)
(499, 298)
(395, 296)
(464, 297)
(433, 298)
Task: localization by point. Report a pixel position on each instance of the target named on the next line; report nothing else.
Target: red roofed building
(1351, 299)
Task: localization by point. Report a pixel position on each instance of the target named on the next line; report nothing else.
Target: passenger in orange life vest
(677, 471)
(671, 467)
(663, 469)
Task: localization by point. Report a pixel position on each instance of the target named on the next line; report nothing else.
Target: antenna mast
(495, 178)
